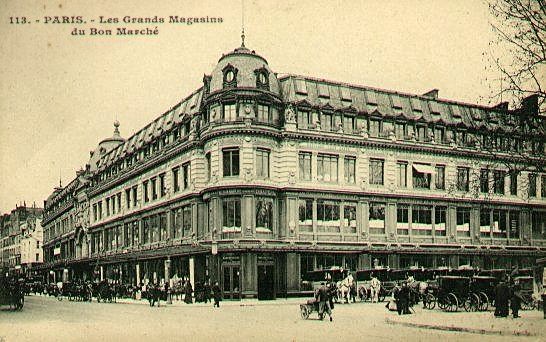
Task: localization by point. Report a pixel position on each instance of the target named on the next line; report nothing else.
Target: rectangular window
(177, 218)
(128, 198)
(162, 187)
(108, 207)
(304, 119)
(263, 113)
(514, 224)
(463, 221)
(422, 174)
(301, 86)
(328, 216)
(349, 218)
(135, 195)
(187, 220)
(231, 210)
(439, 136)
(485, 222)
(499, 223)
(305, 215)
(176, 182)
(145, 191)
(118, 197)
(400, 131)
(498, 181)
(230, 112)
(377, 218)
(532, 185)
(146, 230)
(186, 175)
(262, 163)
(484, 181)
(349, 124)
(153, 184)
(543, 186)
(323, 90)
(402, 219)
(231, 162)
(305, 165)
(349, 169)
(208, 165)
(462, 178)
(376, 171)
(327, 168)
(538, 225)
(264, 215)
(402, 174)
(95, 212)
(440, 178)
(421, 220)
(375, 128)
(421, 133)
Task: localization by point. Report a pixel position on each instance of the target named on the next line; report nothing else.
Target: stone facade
(254, 180)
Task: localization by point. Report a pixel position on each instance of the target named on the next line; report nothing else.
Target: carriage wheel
(304, 312)
(430, 301)
(452, 303)
(484, 301)
(442, 302)
(472, 302)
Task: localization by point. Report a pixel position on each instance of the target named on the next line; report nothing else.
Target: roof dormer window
(230, 76)
(262, 78)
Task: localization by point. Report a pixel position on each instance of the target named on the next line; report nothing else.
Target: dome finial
(116, 127)
(243, 23)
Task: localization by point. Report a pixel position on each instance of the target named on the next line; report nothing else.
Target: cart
(312, 305)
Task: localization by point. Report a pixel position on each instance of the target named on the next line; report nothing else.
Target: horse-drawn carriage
(484, 288)
(454, 292)
(526, 284)
(334, 275)
(363, 279)
(11, 293)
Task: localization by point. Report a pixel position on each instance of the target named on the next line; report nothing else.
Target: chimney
(433, 94)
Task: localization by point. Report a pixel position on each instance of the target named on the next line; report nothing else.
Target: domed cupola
(105, 146)
(244, 69)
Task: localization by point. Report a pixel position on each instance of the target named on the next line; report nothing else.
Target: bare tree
(520, 26)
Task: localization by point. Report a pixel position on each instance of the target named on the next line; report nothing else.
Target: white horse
(344, 287)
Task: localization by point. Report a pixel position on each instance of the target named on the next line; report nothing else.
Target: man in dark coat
(515, 299)
(206, 292)
(217, 294)
(323, 297)
(402, 300)
(502, 294)
(188, 292)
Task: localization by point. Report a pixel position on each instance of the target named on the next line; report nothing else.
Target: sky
(60, 94)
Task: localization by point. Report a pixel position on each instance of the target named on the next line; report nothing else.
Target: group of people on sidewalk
(508, 296)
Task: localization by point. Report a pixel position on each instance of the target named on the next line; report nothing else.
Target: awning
(422, 168)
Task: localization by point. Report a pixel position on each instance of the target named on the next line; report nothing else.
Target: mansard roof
(317, 93)
(162, 124)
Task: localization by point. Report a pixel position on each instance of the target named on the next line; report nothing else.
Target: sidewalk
(531, 323)
(242, 302)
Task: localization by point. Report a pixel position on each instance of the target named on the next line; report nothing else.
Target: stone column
(293, 272)
(137, 271)
(192, 271)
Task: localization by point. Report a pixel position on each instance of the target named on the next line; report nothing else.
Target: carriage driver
(375, 286)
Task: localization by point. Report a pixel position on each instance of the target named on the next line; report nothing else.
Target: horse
(345, 287)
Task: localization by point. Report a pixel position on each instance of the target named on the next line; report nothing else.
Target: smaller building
(21, 239)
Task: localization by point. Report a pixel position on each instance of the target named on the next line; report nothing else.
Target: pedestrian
(216, 293)
(502, 295)
(188, 292)
(206, 292)
(515, 299)
(402, 300)
(323, 297)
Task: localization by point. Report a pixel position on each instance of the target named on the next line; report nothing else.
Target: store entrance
(266, 282)
(231, 285)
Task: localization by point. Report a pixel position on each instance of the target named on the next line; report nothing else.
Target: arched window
(262, 78)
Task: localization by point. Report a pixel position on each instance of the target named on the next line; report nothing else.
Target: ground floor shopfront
(267, 272)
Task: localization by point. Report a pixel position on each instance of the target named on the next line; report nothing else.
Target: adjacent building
(21, 239)
(255, 179)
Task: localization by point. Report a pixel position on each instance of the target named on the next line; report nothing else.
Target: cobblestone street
(47, 319)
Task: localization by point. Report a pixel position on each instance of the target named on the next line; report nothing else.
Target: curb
(461, 329)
